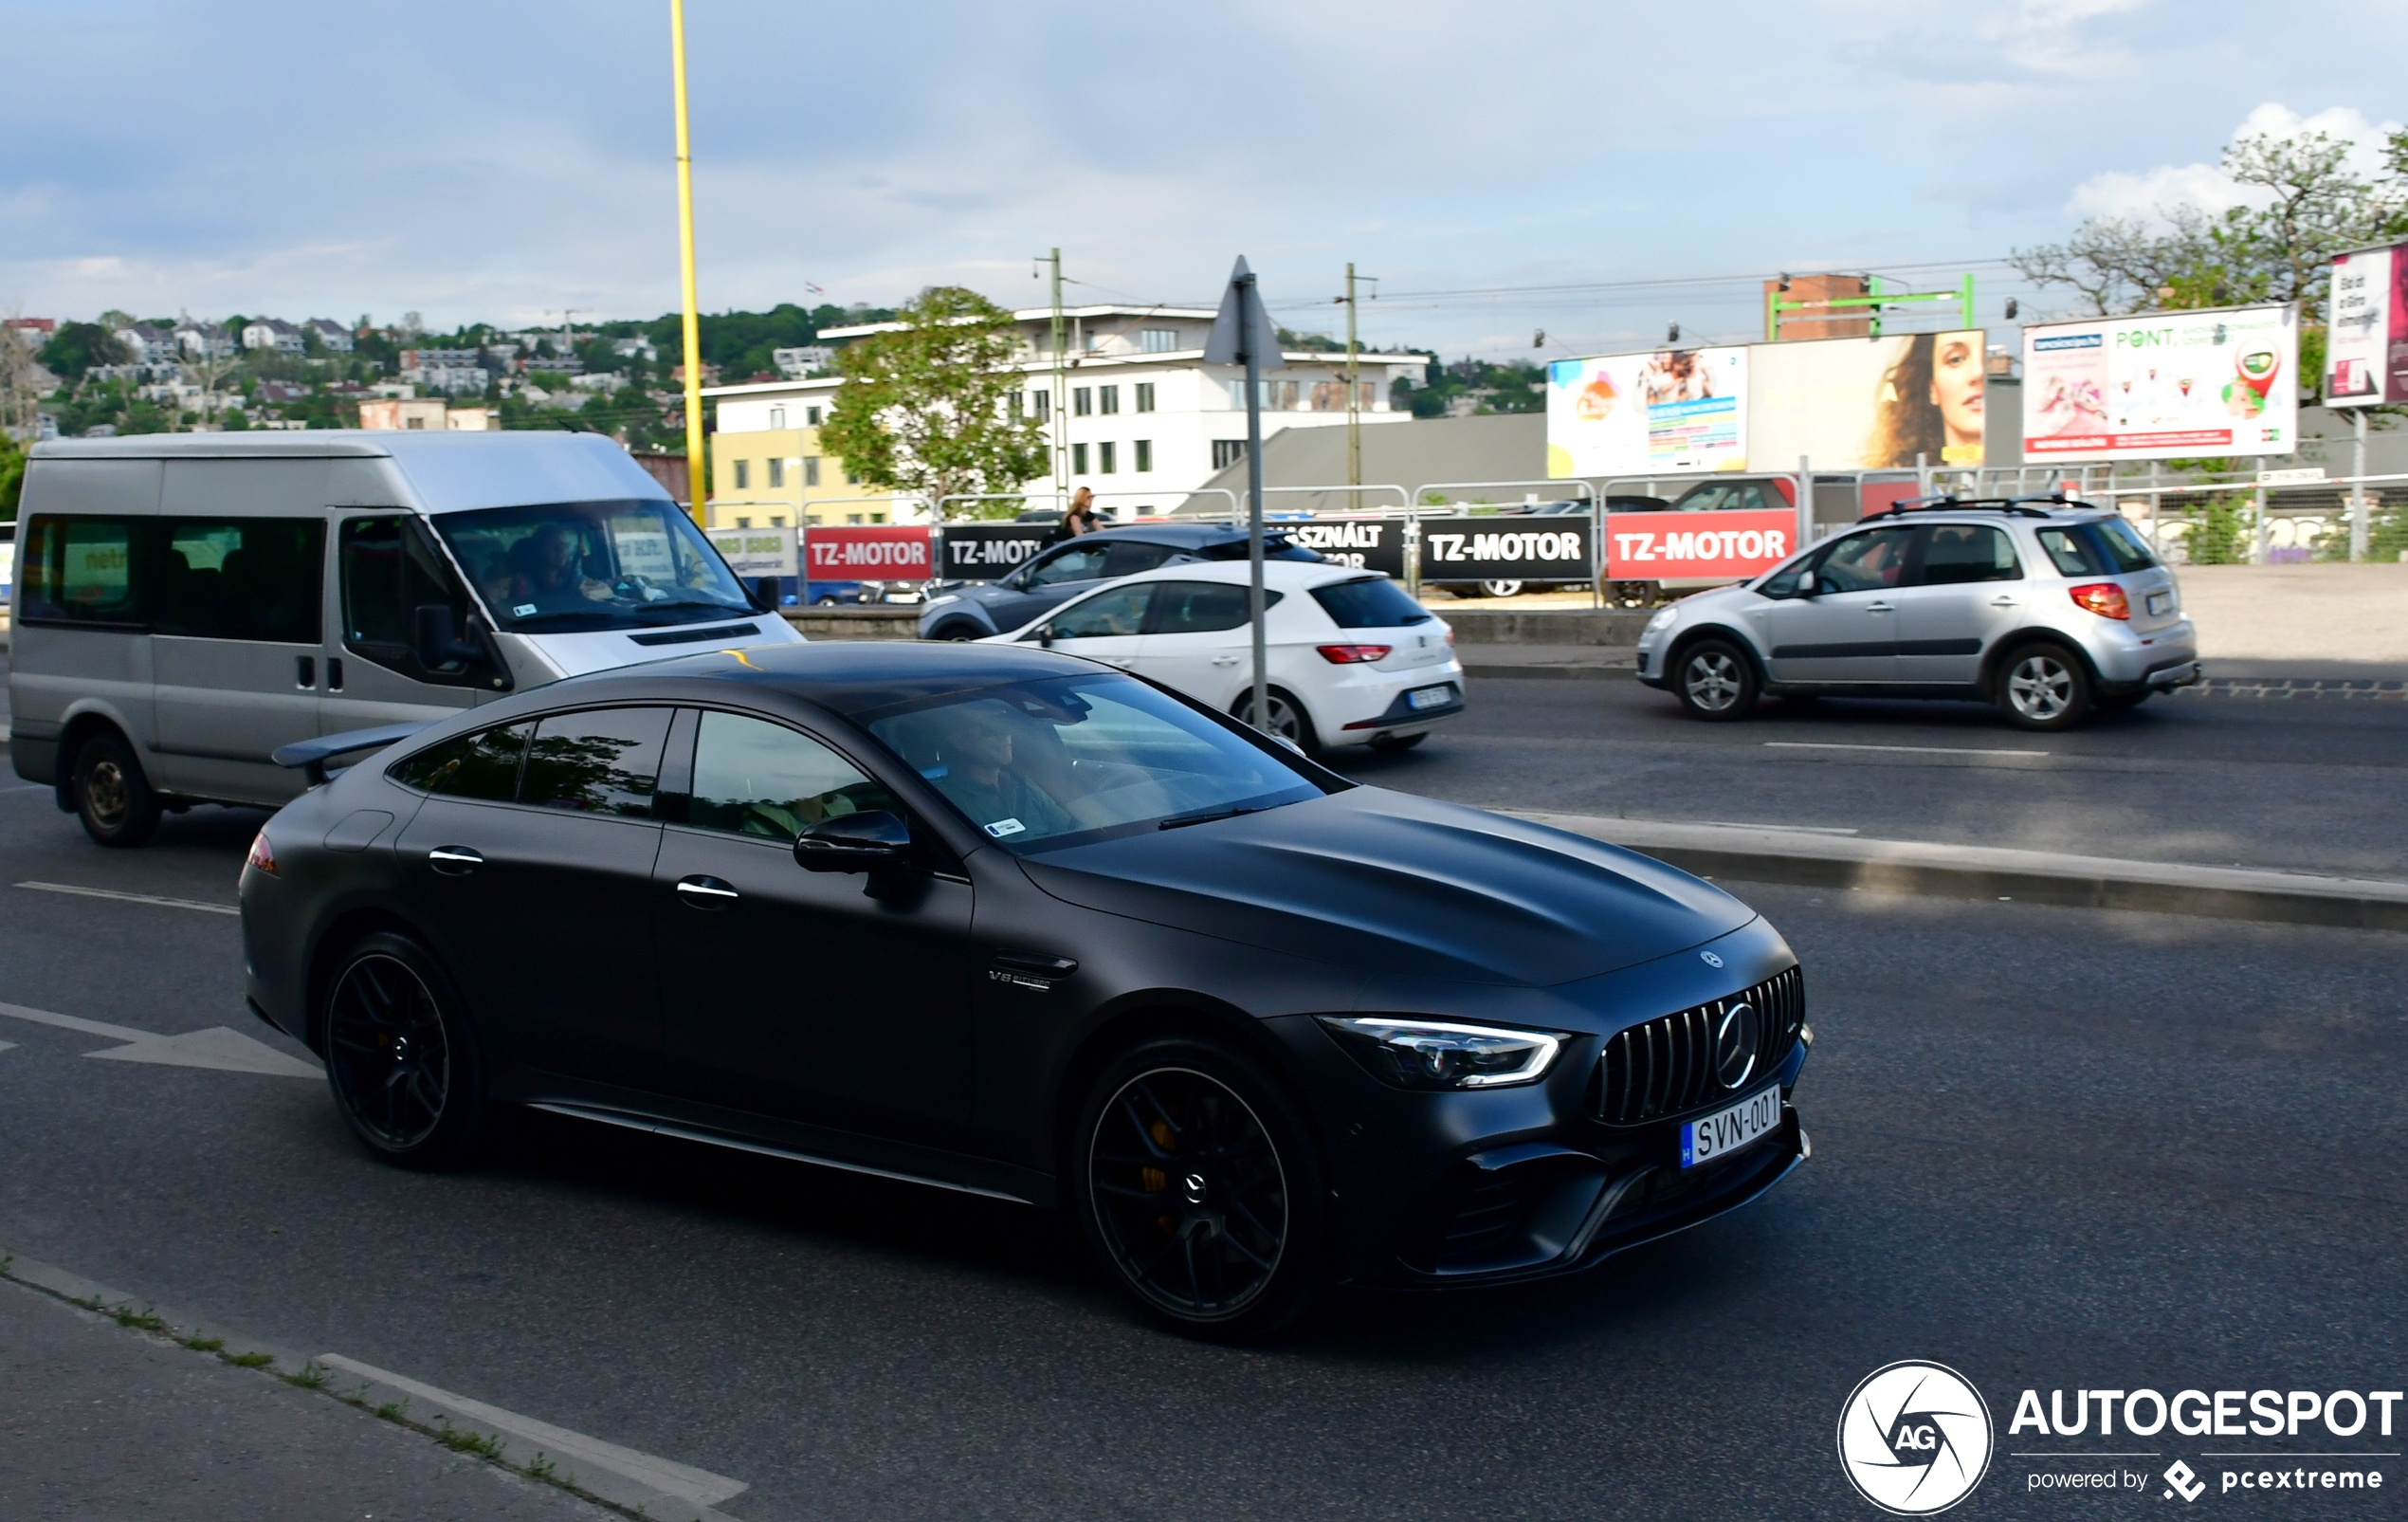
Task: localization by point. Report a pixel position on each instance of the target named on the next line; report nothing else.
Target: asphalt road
(2298, 785)
(2053, 1148)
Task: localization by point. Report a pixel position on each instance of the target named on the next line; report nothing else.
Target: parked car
(186, 603)
(973, 609)
(2048, 610)
(1351, 659)
(830, 594)
(1069, 940)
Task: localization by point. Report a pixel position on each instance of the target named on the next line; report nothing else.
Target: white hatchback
(1352, 660)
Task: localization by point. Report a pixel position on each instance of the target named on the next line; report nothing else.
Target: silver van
(184, 604)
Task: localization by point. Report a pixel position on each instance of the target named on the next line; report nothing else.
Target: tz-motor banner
(986, 552)
(892, 552)
(1681, 546)
(1505, 549)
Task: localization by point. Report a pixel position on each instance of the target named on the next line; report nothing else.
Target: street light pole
(1353, 401)
(696, 469)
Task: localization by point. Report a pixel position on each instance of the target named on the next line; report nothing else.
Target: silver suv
(2048, 608)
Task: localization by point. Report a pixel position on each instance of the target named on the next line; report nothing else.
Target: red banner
(1728, 546)
(884, 553)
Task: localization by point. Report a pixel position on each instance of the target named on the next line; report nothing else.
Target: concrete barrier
(842, 622)
(1475, 625)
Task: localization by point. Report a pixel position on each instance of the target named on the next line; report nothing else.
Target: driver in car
(983, 783)
(546, 569)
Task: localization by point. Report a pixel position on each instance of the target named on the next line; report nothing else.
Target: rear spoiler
(311, 756)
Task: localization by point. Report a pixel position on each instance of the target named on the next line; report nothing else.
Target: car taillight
(262, 854)
(2104, 599)
(1353, 654)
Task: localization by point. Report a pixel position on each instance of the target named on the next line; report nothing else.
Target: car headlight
(1440, 1054)
(1663, 620)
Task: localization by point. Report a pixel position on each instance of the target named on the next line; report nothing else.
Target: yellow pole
(697, 467)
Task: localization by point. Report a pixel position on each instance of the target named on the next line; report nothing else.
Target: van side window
(241, 579)
(388, 568)
(82, 571)
(483, 765)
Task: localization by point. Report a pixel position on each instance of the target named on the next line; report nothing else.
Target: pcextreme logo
(1915, 1437)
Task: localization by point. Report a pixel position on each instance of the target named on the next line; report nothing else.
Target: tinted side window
(1120, 611)
(2072, 552)
(2125, 549)
(1864, 562)
(1373, 602)
(483, 765)
(388, 568)
(83, 571)
(1082, 564)
(1126, 559)
(241, 579)
(753, 778)
(1954, 554)
(604, 760)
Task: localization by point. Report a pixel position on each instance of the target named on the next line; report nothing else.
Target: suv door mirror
(853, 843)
(1805, 583)
(435, 639)
(1043, 635)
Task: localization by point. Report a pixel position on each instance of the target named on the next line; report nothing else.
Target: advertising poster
(1867, 404)
(885, 552)
(2366, 357)
(1729, 546)
(984, 552)
(1674, 412)
(756, 552)
(2171, 385)
(1365, 544)
(1505, 549)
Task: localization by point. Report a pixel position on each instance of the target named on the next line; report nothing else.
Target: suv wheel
(2043, 686)
(1715, 680)
(112, 797)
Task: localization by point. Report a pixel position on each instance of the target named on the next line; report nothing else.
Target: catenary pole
(1353, 401)
(1060, 399)
(1249, 304)
(697, 467)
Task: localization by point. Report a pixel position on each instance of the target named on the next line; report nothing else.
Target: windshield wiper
(1178, 822)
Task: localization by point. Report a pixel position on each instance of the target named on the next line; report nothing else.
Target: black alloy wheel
(1715, 680)
(1198, 1191)
(399, 1058)
(2043, 686)
(1288, 719)
(112, 797)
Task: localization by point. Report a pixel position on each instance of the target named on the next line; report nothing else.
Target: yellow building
(777, 478)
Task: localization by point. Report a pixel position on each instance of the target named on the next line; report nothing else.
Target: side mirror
(436, 641)
(1805, 583)
(853, 843)
(1043, 635)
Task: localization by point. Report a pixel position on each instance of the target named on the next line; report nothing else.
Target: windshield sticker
(1005, 827)
(524, 610)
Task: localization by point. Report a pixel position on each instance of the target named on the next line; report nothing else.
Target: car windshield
(575, 566)
(1073, 759)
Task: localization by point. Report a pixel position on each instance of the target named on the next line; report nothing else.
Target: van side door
(387, 566)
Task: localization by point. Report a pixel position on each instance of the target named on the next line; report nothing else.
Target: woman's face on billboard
(1956, 389)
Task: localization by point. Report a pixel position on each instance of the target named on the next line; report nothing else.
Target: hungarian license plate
(1429, 697)
(1727, 1130)
(2161, 603)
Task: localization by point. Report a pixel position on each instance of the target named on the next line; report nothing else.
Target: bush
(2219, 533)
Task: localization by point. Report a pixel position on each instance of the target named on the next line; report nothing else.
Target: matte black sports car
(1009, 923)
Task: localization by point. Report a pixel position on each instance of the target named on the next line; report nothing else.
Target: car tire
(1715, 680)
(2043, 686)
(959, 632)
(1497, 588)
(401, 1058)
(112, 797)
(1288, 719)
(1391, 744)
(1198, 1188)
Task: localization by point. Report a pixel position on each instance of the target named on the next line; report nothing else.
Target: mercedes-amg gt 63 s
(1008, 922)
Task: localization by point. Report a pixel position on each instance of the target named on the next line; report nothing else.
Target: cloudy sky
(504, 160)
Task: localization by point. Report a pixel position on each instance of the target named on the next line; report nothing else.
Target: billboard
(1505, 549)
(2367, 359)
(2171, 385)
(987, 552)
(1867, 404)
(1674, 412)
(1728, 546)
(756, 552)
(881, 553)
(1365, 544)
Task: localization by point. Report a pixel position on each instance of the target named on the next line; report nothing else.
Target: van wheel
(2042, 686)
(1715, 681)
(112, 797)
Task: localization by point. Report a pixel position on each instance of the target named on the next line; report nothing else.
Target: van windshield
(570, 567)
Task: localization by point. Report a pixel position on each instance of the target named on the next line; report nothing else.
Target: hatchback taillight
(1354, 655)
(262, 854)
(2104, 599)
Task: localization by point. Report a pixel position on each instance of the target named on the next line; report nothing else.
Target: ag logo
(1915, 1437)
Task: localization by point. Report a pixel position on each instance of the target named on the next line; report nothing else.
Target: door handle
(1224, 660)
(2006, 602)
(306, 670)
(454, 861)
(705, 893)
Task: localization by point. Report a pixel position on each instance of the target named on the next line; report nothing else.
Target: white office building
(1146, 420)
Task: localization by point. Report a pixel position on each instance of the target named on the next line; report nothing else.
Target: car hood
(1386, 882)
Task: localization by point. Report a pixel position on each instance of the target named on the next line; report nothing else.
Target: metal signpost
(1242, 334)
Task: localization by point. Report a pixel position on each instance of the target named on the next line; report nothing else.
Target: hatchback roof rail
(1942, 503)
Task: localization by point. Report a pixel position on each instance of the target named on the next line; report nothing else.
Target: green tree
(11, 478)
(924, 409)
(76, 347)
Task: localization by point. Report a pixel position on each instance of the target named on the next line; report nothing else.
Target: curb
(636, 1483)
(1791, 856)
(1550, 673)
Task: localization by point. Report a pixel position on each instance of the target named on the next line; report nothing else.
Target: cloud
(2146, 193)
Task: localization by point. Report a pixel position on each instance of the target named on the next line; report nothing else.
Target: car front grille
(1666, 1066)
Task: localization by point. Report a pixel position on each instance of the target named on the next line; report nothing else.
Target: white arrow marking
(7, 1046)
(216, 1048)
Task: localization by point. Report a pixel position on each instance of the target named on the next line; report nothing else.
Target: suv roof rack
(1942, 503)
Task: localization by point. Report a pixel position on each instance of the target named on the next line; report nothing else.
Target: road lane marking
(216, 1048)
(133, 898)
(7, 1046)
(1919, 750)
